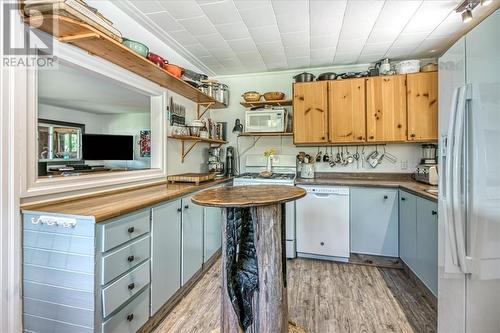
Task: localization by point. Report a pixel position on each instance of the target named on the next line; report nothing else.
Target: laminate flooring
(323, 297)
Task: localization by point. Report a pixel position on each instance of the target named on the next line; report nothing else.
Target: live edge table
(254, 297)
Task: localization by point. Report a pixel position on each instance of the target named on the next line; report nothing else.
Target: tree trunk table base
(253, 294)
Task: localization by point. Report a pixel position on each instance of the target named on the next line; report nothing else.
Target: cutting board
(191, 177)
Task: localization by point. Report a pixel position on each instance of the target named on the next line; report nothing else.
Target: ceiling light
(485, 2)
(467, 16)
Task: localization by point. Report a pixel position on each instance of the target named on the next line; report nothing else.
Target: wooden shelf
(265, 134)
(284, 102)
(185, 150)
(84, 36)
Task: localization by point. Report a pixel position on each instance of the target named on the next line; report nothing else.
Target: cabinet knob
(386, 197)
(434, 212)
(412, 135)
(322, 138)
(186, 206)
(322, 243)
(372, 137)
(130, 258)
(131, 230)
(179, 210)
(403, 198)
(131, 286)
(130, 317)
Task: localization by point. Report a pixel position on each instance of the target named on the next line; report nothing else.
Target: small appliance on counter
(215, 165)
(427, 171)
(229, 161)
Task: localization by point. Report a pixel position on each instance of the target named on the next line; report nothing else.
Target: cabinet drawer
(131, 317)
(121, 260)
(124, 229)
(124, 288)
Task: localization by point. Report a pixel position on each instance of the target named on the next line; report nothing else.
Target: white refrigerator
(469, 189)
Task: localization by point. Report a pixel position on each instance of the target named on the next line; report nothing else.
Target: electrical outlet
(404, 164)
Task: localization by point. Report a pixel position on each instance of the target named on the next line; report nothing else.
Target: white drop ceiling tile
(230, 62)
(429, 15)
(430, 44)
(277, 66)
(198, 26)
(345, 58)
(451, 25)
(321, 62)
(231, 31)
(370, 57)
(197, 50)
(223, 53)
(295, 39)
(371, 48)
(183, 37)
(399, 52)
(182, 9)
(244, 45)
(326, 53)
(359, 19)
(410, 39)
(250, 57)
(290, 7)
(214, 41)
(326, 17)
(292, 23)
(221, 12)
(252, 4)
(319, 42)
(266, 34)
(258, 18)
(165, 21)
(298, 62)
(296, 52)
(271, 47)
(147, 6)
(273, 58)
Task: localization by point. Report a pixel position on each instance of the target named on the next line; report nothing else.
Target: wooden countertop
(106, 206)
(402, 181)
(248, 196)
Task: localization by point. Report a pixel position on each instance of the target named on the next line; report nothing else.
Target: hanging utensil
(326, 158)
(318, 155)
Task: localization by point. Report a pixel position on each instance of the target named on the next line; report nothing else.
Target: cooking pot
(326, 76)
(304, 77)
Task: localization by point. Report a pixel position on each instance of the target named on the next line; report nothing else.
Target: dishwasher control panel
(326, 190)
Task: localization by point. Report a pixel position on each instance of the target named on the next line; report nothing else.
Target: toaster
(427, 173)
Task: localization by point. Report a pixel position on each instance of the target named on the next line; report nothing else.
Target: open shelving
(193, 141)
(284, 102)
(84, 36)
(266, 134)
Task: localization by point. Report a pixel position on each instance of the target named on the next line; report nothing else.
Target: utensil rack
(193, 141)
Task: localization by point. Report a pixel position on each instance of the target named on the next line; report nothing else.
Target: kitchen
(368, 128)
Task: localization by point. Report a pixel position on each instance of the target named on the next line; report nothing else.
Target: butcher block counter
(395, 180)
(116, 203)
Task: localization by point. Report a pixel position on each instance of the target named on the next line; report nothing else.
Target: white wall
(409, 154)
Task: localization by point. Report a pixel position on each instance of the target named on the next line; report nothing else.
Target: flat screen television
(107, 147)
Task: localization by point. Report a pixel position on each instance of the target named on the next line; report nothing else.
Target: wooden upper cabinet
(310, 112)
(386, 108)
(347, 116)
(422, 90)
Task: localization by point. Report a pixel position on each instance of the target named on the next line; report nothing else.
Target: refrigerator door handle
(457, 198)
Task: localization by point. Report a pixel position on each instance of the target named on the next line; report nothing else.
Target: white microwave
(265, 120)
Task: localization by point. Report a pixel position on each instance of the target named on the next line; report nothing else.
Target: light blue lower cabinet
(71, 285)
(166, 253)
(212, 232)
(427, 243)
(192, 239)
(408, 229)
(374, 221)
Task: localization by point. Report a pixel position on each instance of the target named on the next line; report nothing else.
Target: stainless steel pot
(327, 76)
(304, 77)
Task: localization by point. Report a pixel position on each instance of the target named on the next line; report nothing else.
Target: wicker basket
(274, 96)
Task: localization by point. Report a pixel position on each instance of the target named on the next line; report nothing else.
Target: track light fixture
(466, 8)
(467, 16)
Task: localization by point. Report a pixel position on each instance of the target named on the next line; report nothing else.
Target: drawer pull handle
(130, 258)
(186, 206)
(131, 286)
(322, 243)
(403, 199)
(179, 210)
(434, 212)
(386, 197)
(130, 317)
(131, 230)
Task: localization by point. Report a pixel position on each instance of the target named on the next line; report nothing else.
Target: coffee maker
(214, 161)
(230, 161)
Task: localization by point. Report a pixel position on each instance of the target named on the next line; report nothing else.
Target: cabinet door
(386, 108)
(422, 90)
(166, 253)
(427, 243)
(347, 116)
(374, 221)
(408, 229)
(192, 238)
(310, 112)
(212, 232)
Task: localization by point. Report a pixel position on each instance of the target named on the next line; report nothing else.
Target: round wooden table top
(248, 196)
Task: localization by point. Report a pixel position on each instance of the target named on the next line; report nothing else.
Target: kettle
(307, 170)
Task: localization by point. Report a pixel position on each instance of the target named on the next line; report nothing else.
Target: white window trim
(32, 186)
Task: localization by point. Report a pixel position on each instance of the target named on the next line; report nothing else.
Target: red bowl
(174, 70)
(156, 59)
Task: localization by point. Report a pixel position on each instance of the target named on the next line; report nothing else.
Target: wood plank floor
(323, 297)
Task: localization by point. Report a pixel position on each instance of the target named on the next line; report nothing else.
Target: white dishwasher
(322, 218)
